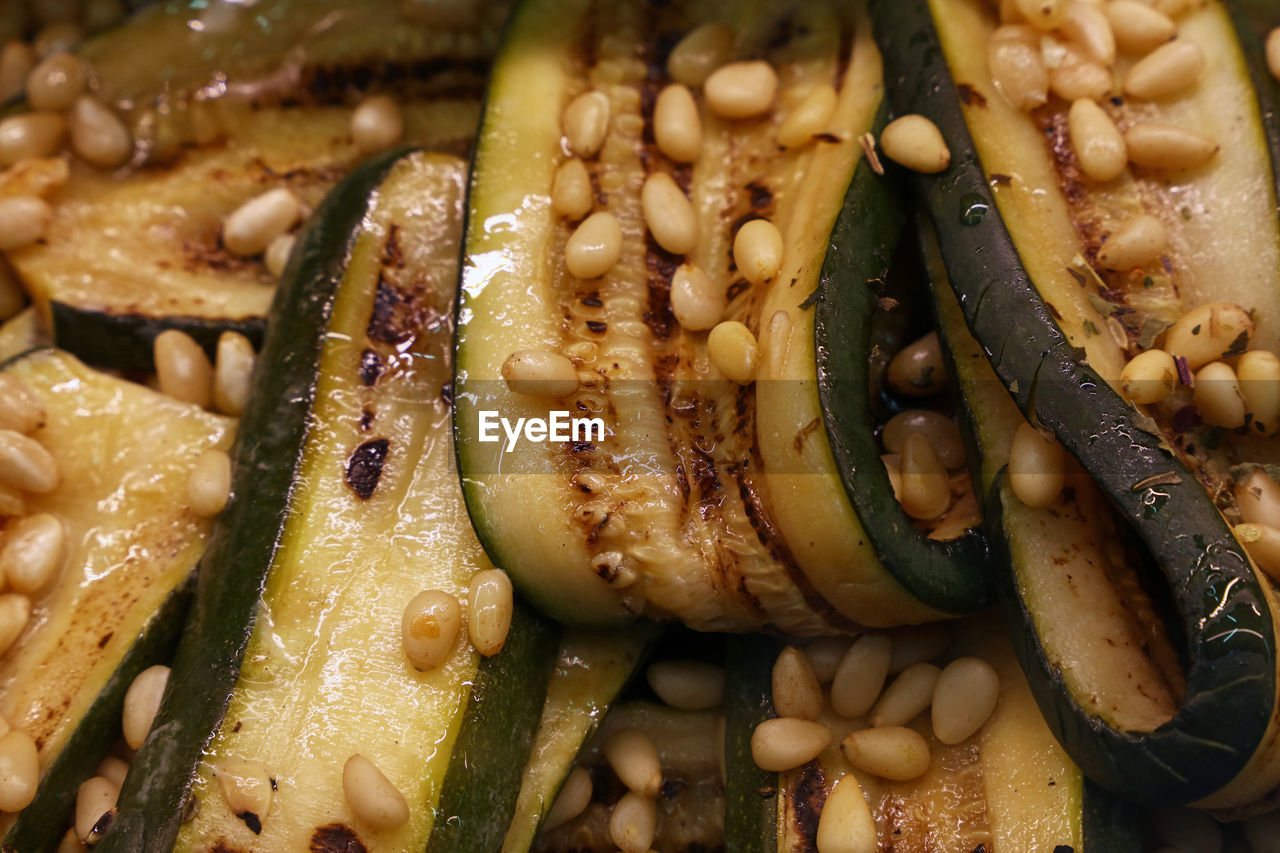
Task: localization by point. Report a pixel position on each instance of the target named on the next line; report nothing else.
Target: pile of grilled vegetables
(567, 425)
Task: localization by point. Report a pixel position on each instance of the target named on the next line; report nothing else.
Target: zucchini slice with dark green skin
(1042, 337)
(750, 794)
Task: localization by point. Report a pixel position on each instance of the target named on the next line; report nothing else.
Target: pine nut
(893, 467)
(1165, 71)
(183, 370)
(94, 798)
(785, 743)
(677, 127)
(1138, 27)
(633, 823)
(30, 135)
(276, 256)
(55, 83)
(571, 193)
(861, 675)
(1187, 829)
(245, 786)
(733, 351)
(741, 89)
(371, 796)
(539, 373)
(890, 752)
(594, 247)
(906, 697)
(233, 373)
(1259, 374)
(113, 770)
(489, 609)
(1036, 467)
(1273, 52)
(1209, 333)
(19, 771)
(98, 136)
(1087, 27)
(376, 124)
(1078, 78)
(16, 61)
(757, 251)
(925, 490)
(1218, 397)
(141, 702)
(586, 123)
(809, 118)
(209, 484)
(251, 227)
(1149, 377)
(32, 552)
(846, 824)
(963, 698)
(700, 52)
(1162, 146)
(1017, 69)
(915, 142)
(1258, 499)
(1262, 542)
(696, 300)
(24, 219)
(20, 409)
(573, 799)
(824, 656)
(430, 626)
(689, 685)
(796, 691)
(913, 644)
(1140, 241)
(635, 761)
(918, 369)
(26, 465)
(15, 612)
(668, 214)
(1098, 143)
(60, 37)
(1043, 14)
(940, 431)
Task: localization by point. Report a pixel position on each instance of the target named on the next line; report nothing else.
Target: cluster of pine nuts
(433, 619)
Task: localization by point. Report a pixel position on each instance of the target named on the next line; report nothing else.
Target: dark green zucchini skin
(751, 794)
(1231, 674)
(125, 341)
(946, 575)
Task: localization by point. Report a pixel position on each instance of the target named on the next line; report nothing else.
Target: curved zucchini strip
(1217, 747)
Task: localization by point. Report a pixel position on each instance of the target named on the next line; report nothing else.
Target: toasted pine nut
(1088, 28)
(824, 656)
(141, 702)
(668, 214)
(233, 374)
(1138, 27)
(1273, 52)
(586, 123)
(15, 612)
(1036, 467)
(276, 256)
(677, 127)
(733, 351)
(429, 628)
(1149, 377)
(1017, 69)
(1262, 542)
(26, 465)
(1258, 499)
(251, 227)
(1218, 397)
(918, 369)
(890, 752)
(98, 136)
(635, 761)
(19, 771)
(809, 118)
(20, 409)
(965, 695)
(1259, 374)
(1098, 144)
(846, 824)
(489, 610)
(689, 685)
(1078, 78)
(1162, 146)
(1210, 332)
(182, 368)
(785, 743)
(24, 219)
(29, 135)
(371, 796)
(893, 467)
(1165, 71)
(245, 786)
(1136, 243)
(376, 124)
(1043, 14)
(916, 143)
(741, 89)
(796, 691)
(594, 247)
(94, 798)
(757, 251)
(209, 484)
(940, 431)
(963, 516)
(1186, 828)
(55, 83)
(696, 300)
(32, 552)
(16, 61)
(573, 799)
(633, 823)
(113, 770)
(540, 373)
(571, 193)
(925, 491)
(906, 697)
(913, 644)
(861, 675)
(701, 51)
